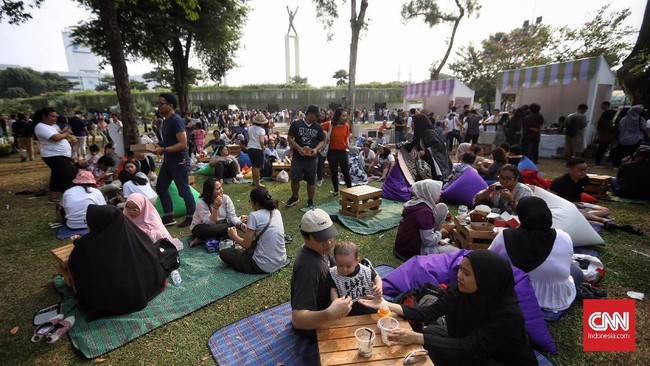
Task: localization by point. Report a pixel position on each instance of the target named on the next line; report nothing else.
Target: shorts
(575, 144)
(257, 158)
(303, 169)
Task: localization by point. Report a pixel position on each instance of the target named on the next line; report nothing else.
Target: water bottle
(462, 212)
(176, 278)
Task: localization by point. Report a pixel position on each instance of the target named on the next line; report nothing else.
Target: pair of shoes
(310, 204)
(334, 193)
(292, 201)
(187, 222)
(319, 183)
(597, 293)
(584, 292)
(53, 329)
(168, 220)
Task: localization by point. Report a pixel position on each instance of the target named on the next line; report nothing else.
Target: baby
(353, 279)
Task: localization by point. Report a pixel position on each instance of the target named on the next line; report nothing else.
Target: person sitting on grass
(134, 181)
(480, 158)
(215, 212)
(572, 184)
(77, 198)
(633, 177)
(505, 193)
(382, 163)
(263, 246)
(115, 267)
(484, 324)
(466, 162)
(143, 214)
(225, 165)
(489, 174)
(353, 278)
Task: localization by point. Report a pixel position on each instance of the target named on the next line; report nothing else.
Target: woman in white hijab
(420, 230)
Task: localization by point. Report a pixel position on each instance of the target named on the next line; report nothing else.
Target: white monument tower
(296, 47)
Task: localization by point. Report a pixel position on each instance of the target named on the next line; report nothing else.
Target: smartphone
(498, 188)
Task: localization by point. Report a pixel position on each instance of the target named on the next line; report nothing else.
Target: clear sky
(388, 51)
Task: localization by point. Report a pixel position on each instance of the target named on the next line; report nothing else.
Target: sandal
(59, 329)
(45, 328)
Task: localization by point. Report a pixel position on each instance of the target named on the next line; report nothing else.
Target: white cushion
(567, 217)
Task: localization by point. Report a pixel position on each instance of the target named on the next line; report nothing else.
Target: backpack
(424, 296)
(168, 256)
(571, 126)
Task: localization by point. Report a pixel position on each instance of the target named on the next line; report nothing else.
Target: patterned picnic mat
(205, 280)
(266, 338)
(388, 218)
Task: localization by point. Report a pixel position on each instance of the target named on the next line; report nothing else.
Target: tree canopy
(164, 77)
(341, 77)
(25, 82)
(17, 11)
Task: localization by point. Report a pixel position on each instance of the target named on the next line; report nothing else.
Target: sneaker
(292, 201)
(334, 193)
(186, 222)
(168, 220)
(310, 203)
(319, 183)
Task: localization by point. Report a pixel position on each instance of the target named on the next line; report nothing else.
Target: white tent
(559, 88)
(438, 96)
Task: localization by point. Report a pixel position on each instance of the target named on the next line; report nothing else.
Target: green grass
(28, 268)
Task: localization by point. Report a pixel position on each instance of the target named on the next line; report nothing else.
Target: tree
(164, 77)
(15, 11)
(31, 82)
(168, 32)
(15, 92)
(434, 15)
(604, 35)
(138, 85)
(634, 74)
(65, 105)
(341, 77)
(327, 12)
(299, 80)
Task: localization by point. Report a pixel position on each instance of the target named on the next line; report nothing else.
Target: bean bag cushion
(526, 163)
(531, 176)
(244, 159)
(443, 268)
(395, 186)
(587, 198)
(178, 201)
(206, 170)
(462, 190)
(567, 217)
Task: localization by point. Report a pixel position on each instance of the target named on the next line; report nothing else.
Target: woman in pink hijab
(144, 215)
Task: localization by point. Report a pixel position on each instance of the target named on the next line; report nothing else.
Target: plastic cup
(387, 325)
(365, 339)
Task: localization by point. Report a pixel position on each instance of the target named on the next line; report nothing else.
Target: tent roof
(435, 87)
(563, 73)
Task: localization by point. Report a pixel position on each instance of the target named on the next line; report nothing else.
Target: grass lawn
(28, 269)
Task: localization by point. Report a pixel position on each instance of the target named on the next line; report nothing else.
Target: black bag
(168, 256)
(424, 296)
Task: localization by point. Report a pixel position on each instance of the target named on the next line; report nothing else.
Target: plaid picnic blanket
(388, 218)
(205, 280)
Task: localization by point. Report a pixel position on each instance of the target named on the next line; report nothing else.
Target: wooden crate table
(337, 344)
(598, 184)
(278, 167)
(61, 256)
(360, 201)
(469, 238)
(233, 150)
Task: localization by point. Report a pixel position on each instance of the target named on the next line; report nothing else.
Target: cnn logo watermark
(609, 325)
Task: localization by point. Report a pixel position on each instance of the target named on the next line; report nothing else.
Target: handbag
(422, 168)
(326, 146)
(251, 249)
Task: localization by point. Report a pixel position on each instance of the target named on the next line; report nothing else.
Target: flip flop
(45, 328)
(59, 329)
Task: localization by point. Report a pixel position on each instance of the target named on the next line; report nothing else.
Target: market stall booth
(438, 96)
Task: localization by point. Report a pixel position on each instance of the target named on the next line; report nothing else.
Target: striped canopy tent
(438, 96)
(559, 88)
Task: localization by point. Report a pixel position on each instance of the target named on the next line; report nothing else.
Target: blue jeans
(178, 172)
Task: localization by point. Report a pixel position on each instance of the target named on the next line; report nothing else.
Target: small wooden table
(337, 344)
(278, 167)
(598, 184)
(61, 255)
(471, 239)
(360, 201)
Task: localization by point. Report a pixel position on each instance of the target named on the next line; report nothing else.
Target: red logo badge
(609, 325)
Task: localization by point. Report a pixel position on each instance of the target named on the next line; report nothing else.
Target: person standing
(604, 132)
(473, 120)
(80, 130)
(453, 127)
(574, 141)
(398, 123)
(23, 130)
(256, 143)
(337, 154)
(306, 138)
(176, 163)
(531, 132)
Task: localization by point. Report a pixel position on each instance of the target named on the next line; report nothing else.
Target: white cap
(318, 223)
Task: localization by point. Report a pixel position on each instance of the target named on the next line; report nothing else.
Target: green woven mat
(388, 218)
(205, 280)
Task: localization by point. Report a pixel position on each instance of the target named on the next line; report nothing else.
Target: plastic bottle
(176, 278)
(383, 310)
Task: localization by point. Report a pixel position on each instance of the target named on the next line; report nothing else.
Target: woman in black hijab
(484, 323)
(115, 267)
(544, 253)
(430, 147)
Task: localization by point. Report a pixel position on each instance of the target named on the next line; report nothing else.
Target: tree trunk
(356, 23)
(436, 72)
(634, 74)
(180, 63)
(111, 30)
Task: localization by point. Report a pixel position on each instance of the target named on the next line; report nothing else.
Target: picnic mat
(205, 280)
(65, 232)
(624, 200)
(388, 218)
(266, 338)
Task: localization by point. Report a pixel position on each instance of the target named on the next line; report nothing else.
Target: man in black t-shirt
(311, 305)
(306, 138)
(571, 185)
